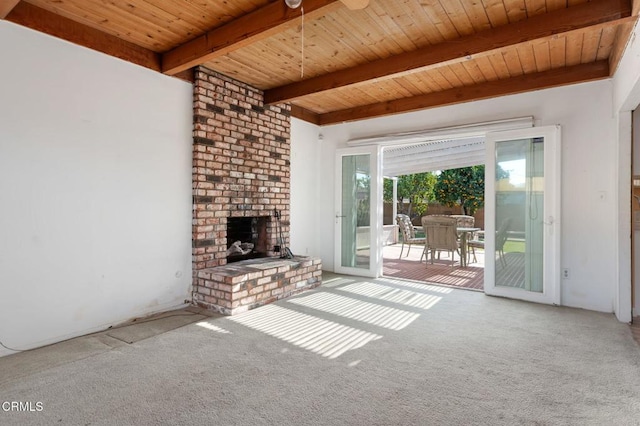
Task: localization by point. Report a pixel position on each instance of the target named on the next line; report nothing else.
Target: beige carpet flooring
(352, 352)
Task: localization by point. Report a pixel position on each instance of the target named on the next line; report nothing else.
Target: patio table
(464, 232)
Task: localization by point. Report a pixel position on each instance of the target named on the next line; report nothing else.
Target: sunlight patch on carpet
(418, 286)
(326, 338)
(371, 313)
(212, 327)
(334, 282)
(392, 294)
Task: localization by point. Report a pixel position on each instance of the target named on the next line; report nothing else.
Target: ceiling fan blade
(355, 4)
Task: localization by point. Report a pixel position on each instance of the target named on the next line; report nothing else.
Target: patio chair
(408, 234)
(441, 234)
(501, 239)
(464, 221)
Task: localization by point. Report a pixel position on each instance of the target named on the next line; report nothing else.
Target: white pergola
(430, 156)
(433, 155)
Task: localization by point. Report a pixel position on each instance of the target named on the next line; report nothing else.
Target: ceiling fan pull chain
(302, 42)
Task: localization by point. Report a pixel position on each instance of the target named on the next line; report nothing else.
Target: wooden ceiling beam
(622, 39)
(597, 12)
(305, 114)
(619, 45)
(250, 28)
(7, 6)
(38, 19)
(524, 83)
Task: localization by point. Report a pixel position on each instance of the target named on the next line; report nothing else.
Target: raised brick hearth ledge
(244, 285)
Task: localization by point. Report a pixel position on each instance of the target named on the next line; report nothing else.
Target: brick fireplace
(241, 176)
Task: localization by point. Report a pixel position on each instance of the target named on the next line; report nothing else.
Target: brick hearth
(243, 285)
(241, 154)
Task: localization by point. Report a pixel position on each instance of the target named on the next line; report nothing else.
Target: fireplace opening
(246, 238)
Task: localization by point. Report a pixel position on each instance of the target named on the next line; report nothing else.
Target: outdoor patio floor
(410, 267)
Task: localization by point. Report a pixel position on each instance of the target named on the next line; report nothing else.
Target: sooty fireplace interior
(246, 238)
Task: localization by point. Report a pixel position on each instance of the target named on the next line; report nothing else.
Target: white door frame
(552, 230)
(376, 214)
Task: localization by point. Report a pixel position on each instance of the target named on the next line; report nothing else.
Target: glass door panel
(358, 217)
(356, 210)
(522, 214)
(519, 213)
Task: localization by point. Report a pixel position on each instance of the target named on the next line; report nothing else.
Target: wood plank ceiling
(334, 64)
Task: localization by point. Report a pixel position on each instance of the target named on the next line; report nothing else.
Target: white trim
(622, 303)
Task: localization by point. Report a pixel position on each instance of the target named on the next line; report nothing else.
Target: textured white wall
(95, 190)
(589, 160)
(305, 167)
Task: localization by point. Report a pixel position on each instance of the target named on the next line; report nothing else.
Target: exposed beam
(250, 28)
(39, 19)
(619, 45)
(187, 75)
(305, 115)
(524, 83)
(598, 12)
(622, 39)
(7, 6)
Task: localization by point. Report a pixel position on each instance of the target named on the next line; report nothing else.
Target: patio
(470, 277)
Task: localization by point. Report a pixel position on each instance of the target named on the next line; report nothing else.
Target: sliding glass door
(358, 218)
(522, 210)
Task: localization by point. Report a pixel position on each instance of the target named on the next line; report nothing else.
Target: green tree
(464, 187)
(417, 188)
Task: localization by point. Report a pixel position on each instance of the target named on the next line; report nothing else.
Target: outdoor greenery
(418, 189)
(514, 246)
(463, 187)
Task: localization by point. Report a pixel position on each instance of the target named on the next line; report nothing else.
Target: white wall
(95, 190)
(305, 167)
(589, 161)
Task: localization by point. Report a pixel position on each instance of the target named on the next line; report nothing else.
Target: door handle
(549, 223)
(337, 216)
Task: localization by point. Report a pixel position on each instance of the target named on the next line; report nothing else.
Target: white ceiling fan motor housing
(293, 4)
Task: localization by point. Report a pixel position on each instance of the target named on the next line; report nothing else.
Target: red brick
(233, 165)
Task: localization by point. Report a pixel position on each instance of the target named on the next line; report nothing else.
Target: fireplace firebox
(247, 238)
